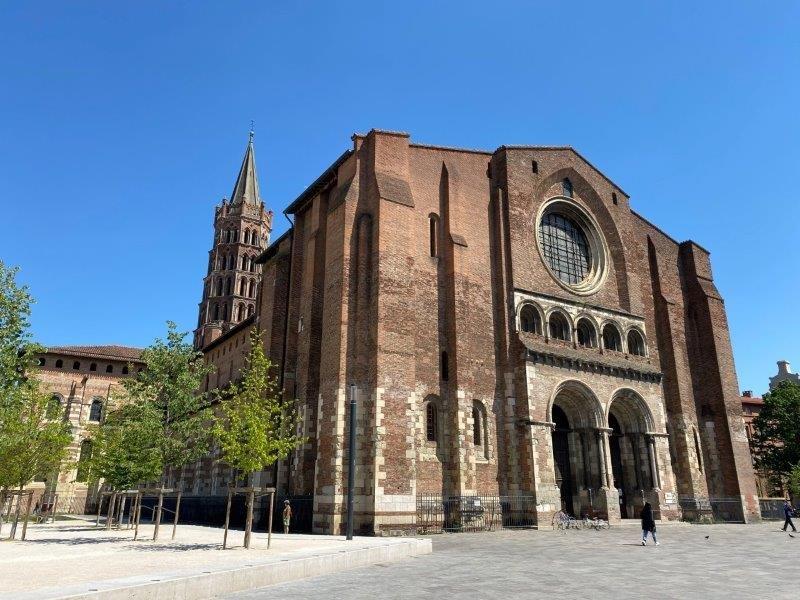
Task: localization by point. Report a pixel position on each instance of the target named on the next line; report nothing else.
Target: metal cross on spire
(252, 129)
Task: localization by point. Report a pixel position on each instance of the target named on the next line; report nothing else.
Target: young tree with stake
(255, 427)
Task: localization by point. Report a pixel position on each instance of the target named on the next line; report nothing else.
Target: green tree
(31, 444)
(776, 431)
(125, 450)
(33, 439)
(168, 404)
(17, 352)
(254, 426)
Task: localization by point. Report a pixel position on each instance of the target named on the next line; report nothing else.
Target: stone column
(601, 458)
(651, 452)
(604, 435)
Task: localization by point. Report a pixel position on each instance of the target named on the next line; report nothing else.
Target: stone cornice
(578, 359)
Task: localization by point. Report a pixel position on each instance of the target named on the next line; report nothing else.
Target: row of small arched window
(242, 311)
(231, 236)
(228, 262)
(247, 287)
(56, 406)
(558, 327)
(76, 365)
(480, 437)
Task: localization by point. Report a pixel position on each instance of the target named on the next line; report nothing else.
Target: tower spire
(246, 190)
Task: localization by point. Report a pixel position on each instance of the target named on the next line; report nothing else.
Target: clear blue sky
(122, 124)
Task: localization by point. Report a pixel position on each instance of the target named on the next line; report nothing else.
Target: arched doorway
(631, 462)
(579, 457)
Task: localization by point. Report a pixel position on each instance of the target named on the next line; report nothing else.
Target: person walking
(648, 524)
(287, 515)
(788, 512)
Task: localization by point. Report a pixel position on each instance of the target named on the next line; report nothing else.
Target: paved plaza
(735, 561)
(77, 560)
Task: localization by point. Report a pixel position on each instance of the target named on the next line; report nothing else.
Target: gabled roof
(103, 352)
(246, 188)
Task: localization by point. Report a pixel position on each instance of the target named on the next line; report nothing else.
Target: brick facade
(85, 380)
(408, 273)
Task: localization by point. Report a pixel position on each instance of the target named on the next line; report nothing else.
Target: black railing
(771, 508)
(720, 510)
(436, 514)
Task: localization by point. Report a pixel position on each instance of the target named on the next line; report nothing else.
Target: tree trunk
(248, 528)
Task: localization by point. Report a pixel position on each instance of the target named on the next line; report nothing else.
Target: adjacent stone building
(784, 374)
(83, 382)
(512, 328)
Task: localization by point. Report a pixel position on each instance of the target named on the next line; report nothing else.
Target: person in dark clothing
(788, 512)
(648, 524)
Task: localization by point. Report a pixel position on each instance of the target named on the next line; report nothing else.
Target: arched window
(253, 266)
(109, 368)
(93, 367)
(529, 320)
(611, 338)
(479, 437)
(586, 334)
(252, 288)
(431, 422)
(219, 286)
(235, 235)
(59, 364)
(96, 410)
(216, 312)
(250, 310)
(559, 327)
(635, 343)
(83, 461)
(76, 365)
(246, 236)
(444, 366)
(54, 407)
(566, 188)
(125, 370)
(40, 362)
(255, 238)
(433, 232)
(228, 286)
(225, 312)
(240, 314)
(242, 286)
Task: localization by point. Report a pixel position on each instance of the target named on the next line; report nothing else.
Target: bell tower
(242, 227)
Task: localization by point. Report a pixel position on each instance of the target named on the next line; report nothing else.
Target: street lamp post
(351, 463)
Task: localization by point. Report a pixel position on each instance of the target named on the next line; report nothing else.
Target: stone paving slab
(76, 560)
(734, 562)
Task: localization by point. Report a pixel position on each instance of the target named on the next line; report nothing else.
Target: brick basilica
(512, 326)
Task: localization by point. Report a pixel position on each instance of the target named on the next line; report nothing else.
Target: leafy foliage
(776, 436)
(33, 440)
(167, 416)
(125, 450)
(255, 427)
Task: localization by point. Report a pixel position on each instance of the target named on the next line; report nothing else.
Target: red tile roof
(108, 352)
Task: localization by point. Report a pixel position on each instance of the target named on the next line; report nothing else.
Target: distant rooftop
(108, 352)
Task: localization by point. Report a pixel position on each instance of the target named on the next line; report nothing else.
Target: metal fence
(721, 510)
(771, 508)
(436, 514)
